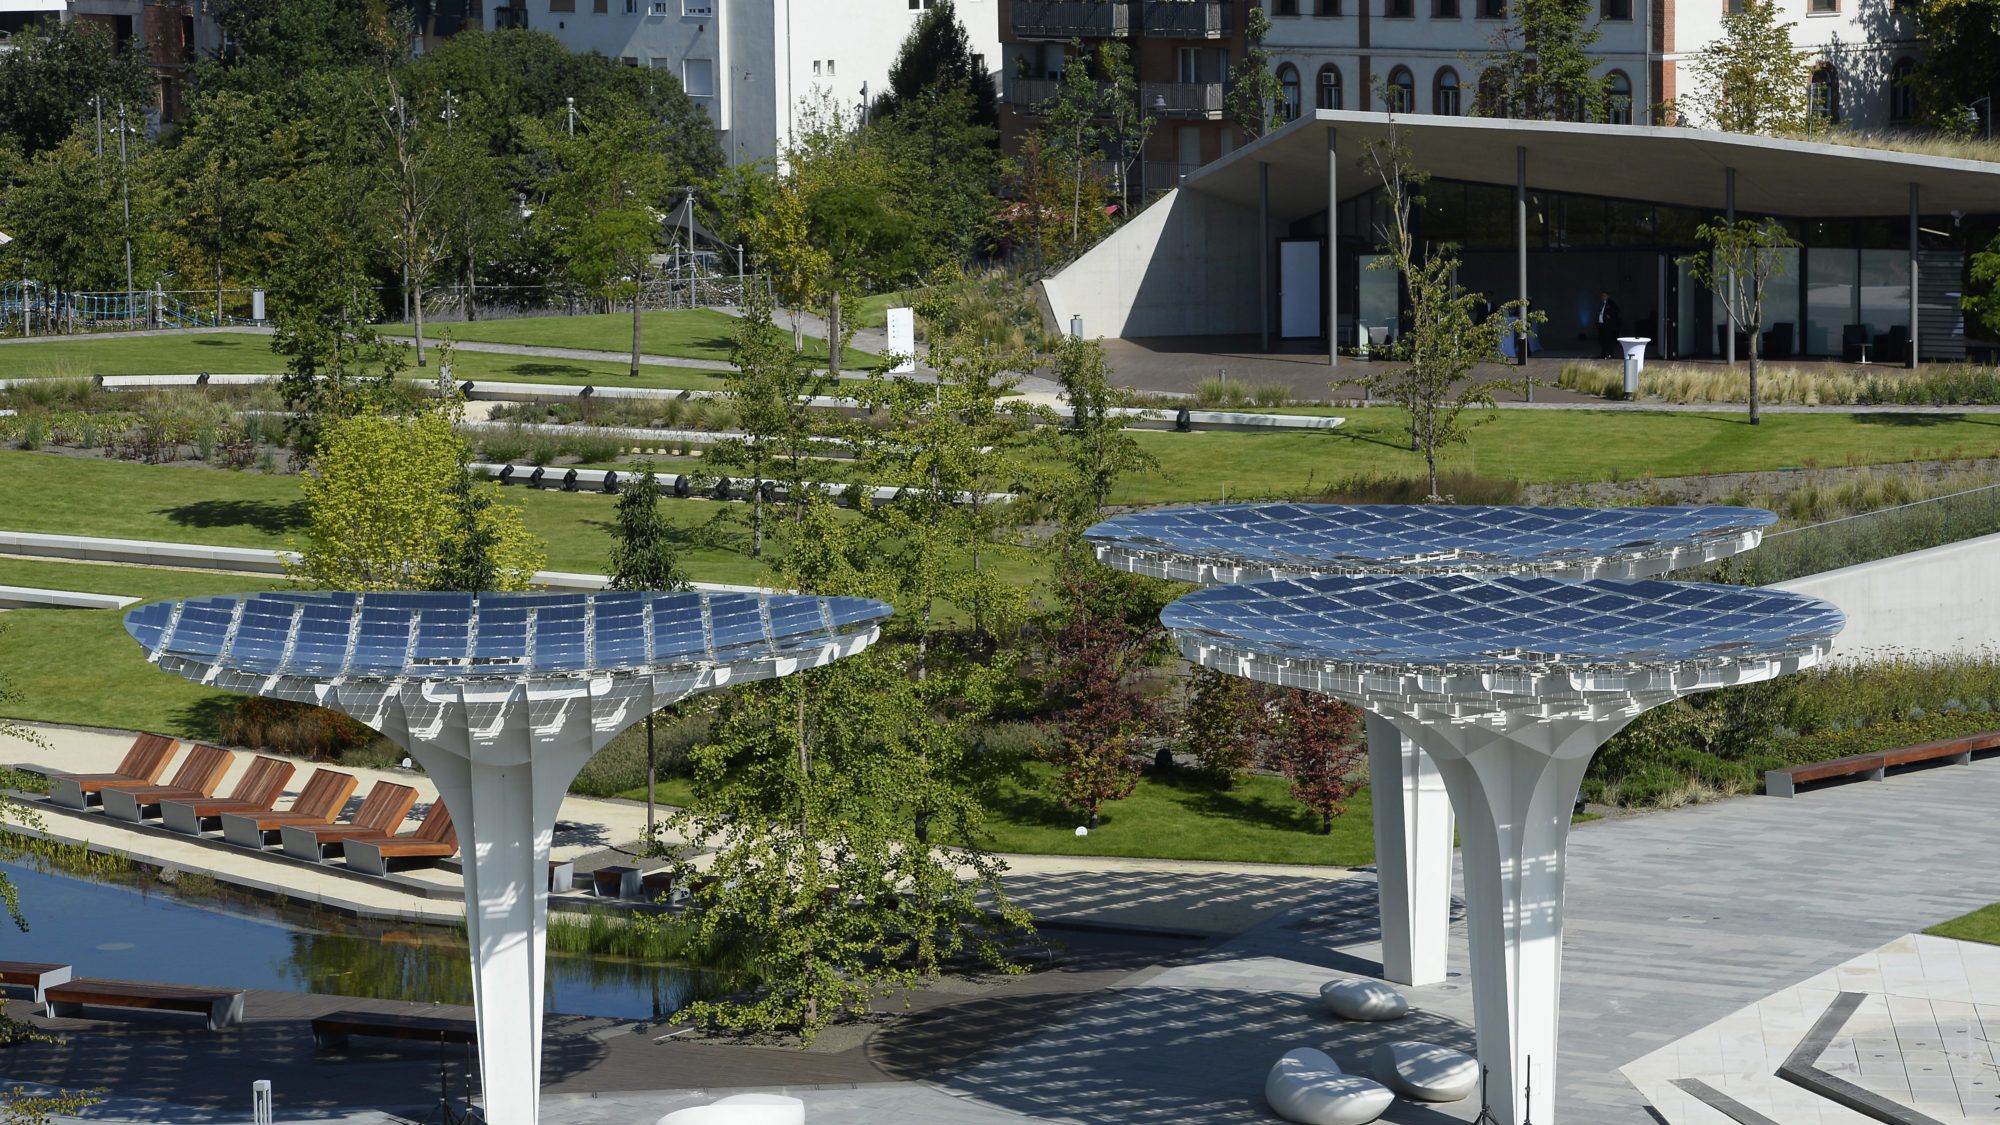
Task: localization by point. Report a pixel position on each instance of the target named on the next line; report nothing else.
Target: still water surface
(139, 930)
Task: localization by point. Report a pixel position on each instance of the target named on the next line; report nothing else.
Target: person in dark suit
(1610, 326)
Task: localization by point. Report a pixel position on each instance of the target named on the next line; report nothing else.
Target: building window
(1445, 99)
(697, 7)
(1396, 9)
(600, 6)
(1329, 96)
(1444, 9)
(1903, 91)
(1493, 9)
(1822, 7)
(815, 68)
(698, 78)
(1327, 8)
(1288, 85)
(1400, 95)
(1284, 7)
(1618, 98)
(562, 5)
(1823, 95)
(631, 7)
(1617, 10)
(829, 68)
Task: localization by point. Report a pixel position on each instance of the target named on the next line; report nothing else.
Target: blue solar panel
(1253, 542)
(318, 636)
(1499, 622)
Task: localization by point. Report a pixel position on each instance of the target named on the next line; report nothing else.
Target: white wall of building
(1938, 602)
(1175, 270)
(760, 58)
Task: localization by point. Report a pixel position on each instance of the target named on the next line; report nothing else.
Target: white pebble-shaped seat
(1308, 1087)
(1360, 999)
(1425, 1072)
(741, 1109)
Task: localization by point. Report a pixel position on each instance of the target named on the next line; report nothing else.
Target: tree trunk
(833, 335)
(1326, 824)
(471, 282)
(757, 514)
(1756, 362)
(417, 291)
(652, 777)
(635, 332)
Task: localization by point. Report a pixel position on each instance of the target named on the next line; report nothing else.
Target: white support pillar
(1264, 255)
(1413, 849)
(1332, 249)
(1729, 213)
(1523, 332)
(1916, 314)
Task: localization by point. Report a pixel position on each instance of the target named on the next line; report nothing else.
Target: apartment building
(1425, 56)
(750, 63)
(172, 33)
(1182, 53)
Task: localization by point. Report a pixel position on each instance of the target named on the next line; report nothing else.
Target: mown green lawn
(1982, 925)
(245, 354)
(685, 333)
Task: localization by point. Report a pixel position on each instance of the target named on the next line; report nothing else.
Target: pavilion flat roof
(1683, 167)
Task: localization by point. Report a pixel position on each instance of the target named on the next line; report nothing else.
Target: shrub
(1461, 487)
(34, 431)
(1219, 391)
(293, 728)
(621, 766)
(1269, 395)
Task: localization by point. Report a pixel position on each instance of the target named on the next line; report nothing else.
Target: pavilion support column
(1729, 204)
(1413, 849)
(1522, 331)
(1916, 315)
(1264, 254)
(1332, 250)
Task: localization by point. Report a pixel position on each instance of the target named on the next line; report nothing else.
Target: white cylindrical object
(257, 305)
(1635, 361)
(260, 1102)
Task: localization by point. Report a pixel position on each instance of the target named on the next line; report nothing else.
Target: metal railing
(1199, 19)
(29, 307)
(1070, 19)
(1165, 175)
(1030, 94)
(1182, 99)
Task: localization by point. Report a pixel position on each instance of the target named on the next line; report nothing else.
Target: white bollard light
(260, 1102)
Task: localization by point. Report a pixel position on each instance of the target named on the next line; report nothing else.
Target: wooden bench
(385, 807)
(142, 765)
(433, 840)
(222, 1006)
(37, 976)
(332, 1029)
(325, 794)
(1875, 766)
(261, 786)
(197, 779)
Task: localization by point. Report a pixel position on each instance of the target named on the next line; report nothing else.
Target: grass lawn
(686, 333)
(1536, 446)
(244, 354)
(1982, 925)
(873, 312)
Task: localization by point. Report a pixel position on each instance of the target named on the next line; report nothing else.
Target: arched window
(1903, 91)
(1329, 96)
(1618, 98)
(1400, 96)
(1823, 101)
(1445, 93)
(1288, 86)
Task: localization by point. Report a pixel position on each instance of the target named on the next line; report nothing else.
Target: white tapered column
(1514, 784)
(1413, 846)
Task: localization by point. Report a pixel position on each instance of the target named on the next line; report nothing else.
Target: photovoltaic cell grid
(1462, 623)
(1209, 544)
(458, 636)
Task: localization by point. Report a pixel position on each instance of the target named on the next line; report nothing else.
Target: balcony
(1029, 94)
(1190, 19)
(1182, 99)
(1071, 19)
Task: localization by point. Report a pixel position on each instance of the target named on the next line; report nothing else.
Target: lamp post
(1986, 118)
(125, 190)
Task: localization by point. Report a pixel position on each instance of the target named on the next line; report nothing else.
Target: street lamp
(1984, 118)
(1158, 108)
(125, 190)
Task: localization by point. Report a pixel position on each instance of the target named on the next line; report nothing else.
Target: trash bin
(1635, 361)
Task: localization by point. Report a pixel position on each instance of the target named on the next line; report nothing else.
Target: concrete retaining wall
(1177, 269)
(1938, 602)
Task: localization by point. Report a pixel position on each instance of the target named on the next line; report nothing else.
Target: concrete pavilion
(1556, 211)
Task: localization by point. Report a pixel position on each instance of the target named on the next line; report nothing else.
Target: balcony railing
(1071, 19)
(1026, 94)
(1182, 99)
(1193, 19)
(1163, 174)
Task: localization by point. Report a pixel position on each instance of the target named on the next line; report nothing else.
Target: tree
(1219, 724)
(1750, 79)
(1256, 102)
(1743, 257)
(643, 557)
(1073, 135)
(1099, 717)
(1960, 38)
(390, 506)
(1984, 299)
(55, 77)
(1318, 747)
(599, 197)
(771, 391)
(937, 58)
(429, 162)
(1445, 337)
(1539, 66)
(942, 161)
(64, 213)
(1126, 125)
(221, 152)
(1091, 452)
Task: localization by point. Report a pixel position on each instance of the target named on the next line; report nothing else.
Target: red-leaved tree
(1099, 716)
(1317, 745)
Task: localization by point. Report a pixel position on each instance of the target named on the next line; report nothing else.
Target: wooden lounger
(222, 1006)
(325, 794)
(38, 977)
(260, 788)
(199, 776)
(332, 1029)
(434, 839)
(143, 765)
(379, 815)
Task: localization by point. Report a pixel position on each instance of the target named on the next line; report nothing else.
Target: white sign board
(903, 339)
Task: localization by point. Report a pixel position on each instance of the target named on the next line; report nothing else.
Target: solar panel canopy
(1460, 623)
(1228, 543)
(458, 637)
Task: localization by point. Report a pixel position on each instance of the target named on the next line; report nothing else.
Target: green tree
(942, 162)
(1750, 79)
(771, 392)
(937, 58)
(1256, 102)
(274, 42)
(1093, 449)
(1983, 302)
(1743, 259)
(1444, 338)
(64, 214)
(1125, 125)
(1073, 136)
(1317, 745)
(390, 506)
(1219, 724)
(54, 77)
(643, 553)
(1539, 66)
(600, 193)
(427, 161)
(1960, 38)
(221, 153)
